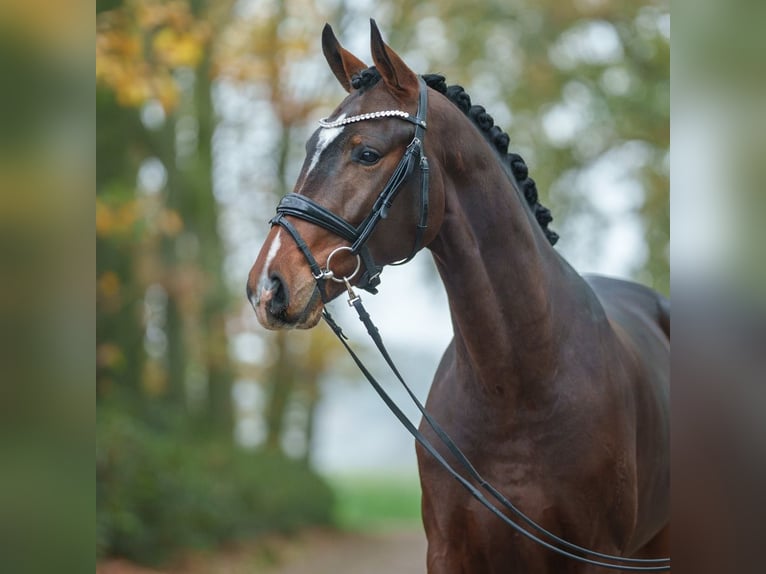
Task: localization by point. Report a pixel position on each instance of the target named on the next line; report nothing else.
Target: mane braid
(500, 141)
(492, 133)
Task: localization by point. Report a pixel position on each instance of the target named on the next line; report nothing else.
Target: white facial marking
(326, 137)
(263, 282)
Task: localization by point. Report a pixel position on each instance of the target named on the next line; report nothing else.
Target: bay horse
(555, 386)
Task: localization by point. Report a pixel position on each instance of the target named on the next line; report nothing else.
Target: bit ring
(328, 272)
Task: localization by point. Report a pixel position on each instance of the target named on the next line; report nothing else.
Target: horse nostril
(279, 297)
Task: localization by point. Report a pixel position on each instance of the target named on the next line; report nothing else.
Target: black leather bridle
(304, 208)
(309, 210)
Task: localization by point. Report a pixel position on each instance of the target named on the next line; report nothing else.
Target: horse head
(341, 223)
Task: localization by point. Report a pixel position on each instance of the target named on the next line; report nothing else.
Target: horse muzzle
(277, 307)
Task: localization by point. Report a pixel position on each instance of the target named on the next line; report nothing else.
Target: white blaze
(273, 249)
(326, 137)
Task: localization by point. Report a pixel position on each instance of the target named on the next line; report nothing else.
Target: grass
(376, 503)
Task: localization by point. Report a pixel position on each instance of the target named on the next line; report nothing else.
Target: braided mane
(492, 133)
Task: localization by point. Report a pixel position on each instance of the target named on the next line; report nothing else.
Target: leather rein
(309, 210)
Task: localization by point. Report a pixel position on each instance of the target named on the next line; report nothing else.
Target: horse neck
(501, 275)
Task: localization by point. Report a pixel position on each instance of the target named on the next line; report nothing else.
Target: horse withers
(555, 386)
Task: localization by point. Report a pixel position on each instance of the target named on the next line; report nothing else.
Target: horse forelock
(492, 133)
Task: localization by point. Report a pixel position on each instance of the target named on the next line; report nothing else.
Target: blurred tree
(162, 299)
(578, 86)
(277, 52)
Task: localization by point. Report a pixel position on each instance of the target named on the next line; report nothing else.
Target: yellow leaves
(166, 91)
(115, 220)
(109, 284)
(155, 379)
(170, 223)
(109, 356)
(174, 49)
(154, 14)
(123, 219)
(258, 47)
(109, 292)
(118, 44)
(140, 45)
(121, 66)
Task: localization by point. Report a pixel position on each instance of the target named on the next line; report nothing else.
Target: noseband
(309, 210)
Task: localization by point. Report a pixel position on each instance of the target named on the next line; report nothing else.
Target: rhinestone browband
(369, 116)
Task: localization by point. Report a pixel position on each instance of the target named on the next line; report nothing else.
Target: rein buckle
(352, 296)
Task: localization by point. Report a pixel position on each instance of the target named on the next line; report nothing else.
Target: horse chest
(538, 461)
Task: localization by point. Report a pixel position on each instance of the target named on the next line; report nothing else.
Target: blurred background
(212, 431)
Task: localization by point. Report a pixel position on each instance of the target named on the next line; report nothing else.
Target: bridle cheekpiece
(307, 209)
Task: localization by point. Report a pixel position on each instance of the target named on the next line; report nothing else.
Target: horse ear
(398, 77)
(342, 62)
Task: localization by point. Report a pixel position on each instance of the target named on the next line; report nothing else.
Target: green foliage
(157, 493)
(371, 503)
(527, 62)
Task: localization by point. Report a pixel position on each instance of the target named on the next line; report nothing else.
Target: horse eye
(368, 157)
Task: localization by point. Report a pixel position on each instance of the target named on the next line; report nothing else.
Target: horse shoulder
(640, 317)
(634, 307)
